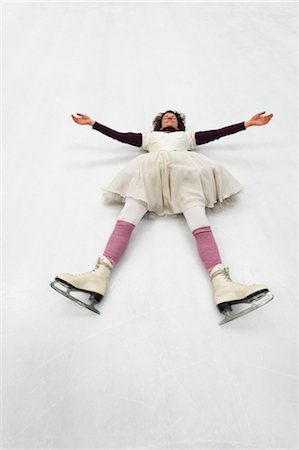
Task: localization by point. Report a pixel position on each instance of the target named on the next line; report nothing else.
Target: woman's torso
(155, 141)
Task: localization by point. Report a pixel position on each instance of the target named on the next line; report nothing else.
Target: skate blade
(255, 304)
(66, 293)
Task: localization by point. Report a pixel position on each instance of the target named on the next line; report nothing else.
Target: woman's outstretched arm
(202, 137)
(126, 138)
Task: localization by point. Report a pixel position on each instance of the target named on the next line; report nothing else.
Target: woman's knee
(196, 217)
(133, 211)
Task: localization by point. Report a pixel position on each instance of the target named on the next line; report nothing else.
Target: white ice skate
(228, 294)
(93, 283)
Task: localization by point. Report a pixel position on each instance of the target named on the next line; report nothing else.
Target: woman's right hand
(83, 120)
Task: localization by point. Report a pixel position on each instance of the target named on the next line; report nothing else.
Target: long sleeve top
(201, 137)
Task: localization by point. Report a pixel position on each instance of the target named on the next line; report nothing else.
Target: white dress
(170, 178)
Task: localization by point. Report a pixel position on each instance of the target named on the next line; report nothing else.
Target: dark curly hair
(180, 116)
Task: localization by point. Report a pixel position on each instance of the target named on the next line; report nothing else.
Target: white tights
(133, 211)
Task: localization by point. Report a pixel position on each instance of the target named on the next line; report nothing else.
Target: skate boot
(93, 283)
(228, 294)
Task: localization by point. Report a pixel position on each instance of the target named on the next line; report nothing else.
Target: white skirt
(171, 182)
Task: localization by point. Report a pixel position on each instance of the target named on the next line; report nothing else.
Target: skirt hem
(111, 197)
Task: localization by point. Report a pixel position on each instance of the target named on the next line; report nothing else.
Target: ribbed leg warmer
(118, 241)
(129, 217)
(207, 247)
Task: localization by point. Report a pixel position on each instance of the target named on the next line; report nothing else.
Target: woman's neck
(167, 129)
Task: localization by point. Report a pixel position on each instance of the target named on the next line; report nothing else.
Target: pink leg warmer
(207, 247)
(118, 240)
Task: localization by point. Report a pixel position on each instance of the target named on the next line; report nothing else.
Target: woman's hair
(180, 116)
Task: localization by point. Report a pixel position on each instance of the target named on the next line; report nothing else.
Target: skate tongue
(219, 266)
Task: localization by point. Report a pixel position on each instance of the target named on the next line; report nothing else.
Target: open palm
(259, 119)
(82, 120)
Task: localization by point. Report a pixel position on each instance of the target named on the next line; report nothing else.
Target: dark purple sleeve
(127, 138)
(202, 137)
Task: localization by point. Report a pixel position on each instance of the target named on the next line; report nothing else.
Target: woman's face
(169, 120)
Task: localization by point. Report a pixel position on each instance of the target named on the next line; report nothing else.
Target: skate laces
(99, 263)
(224, 271)
(93, 270)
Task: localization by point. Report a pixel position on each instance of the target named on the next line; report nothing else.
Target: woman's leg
(131, 214)
(227, 293)
(198, 224)
(96, 282)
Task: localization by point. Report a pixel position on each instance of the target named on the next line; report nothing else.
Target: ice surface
(154, 370)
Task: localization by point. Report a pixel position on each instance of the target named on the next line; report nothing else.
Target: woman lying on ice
(170, 179)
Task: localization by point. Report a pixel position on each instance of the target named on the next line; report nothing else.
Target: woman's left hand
(258, 119)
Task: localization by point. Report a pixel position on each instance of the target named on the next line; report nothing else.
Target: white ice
(154, 370)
